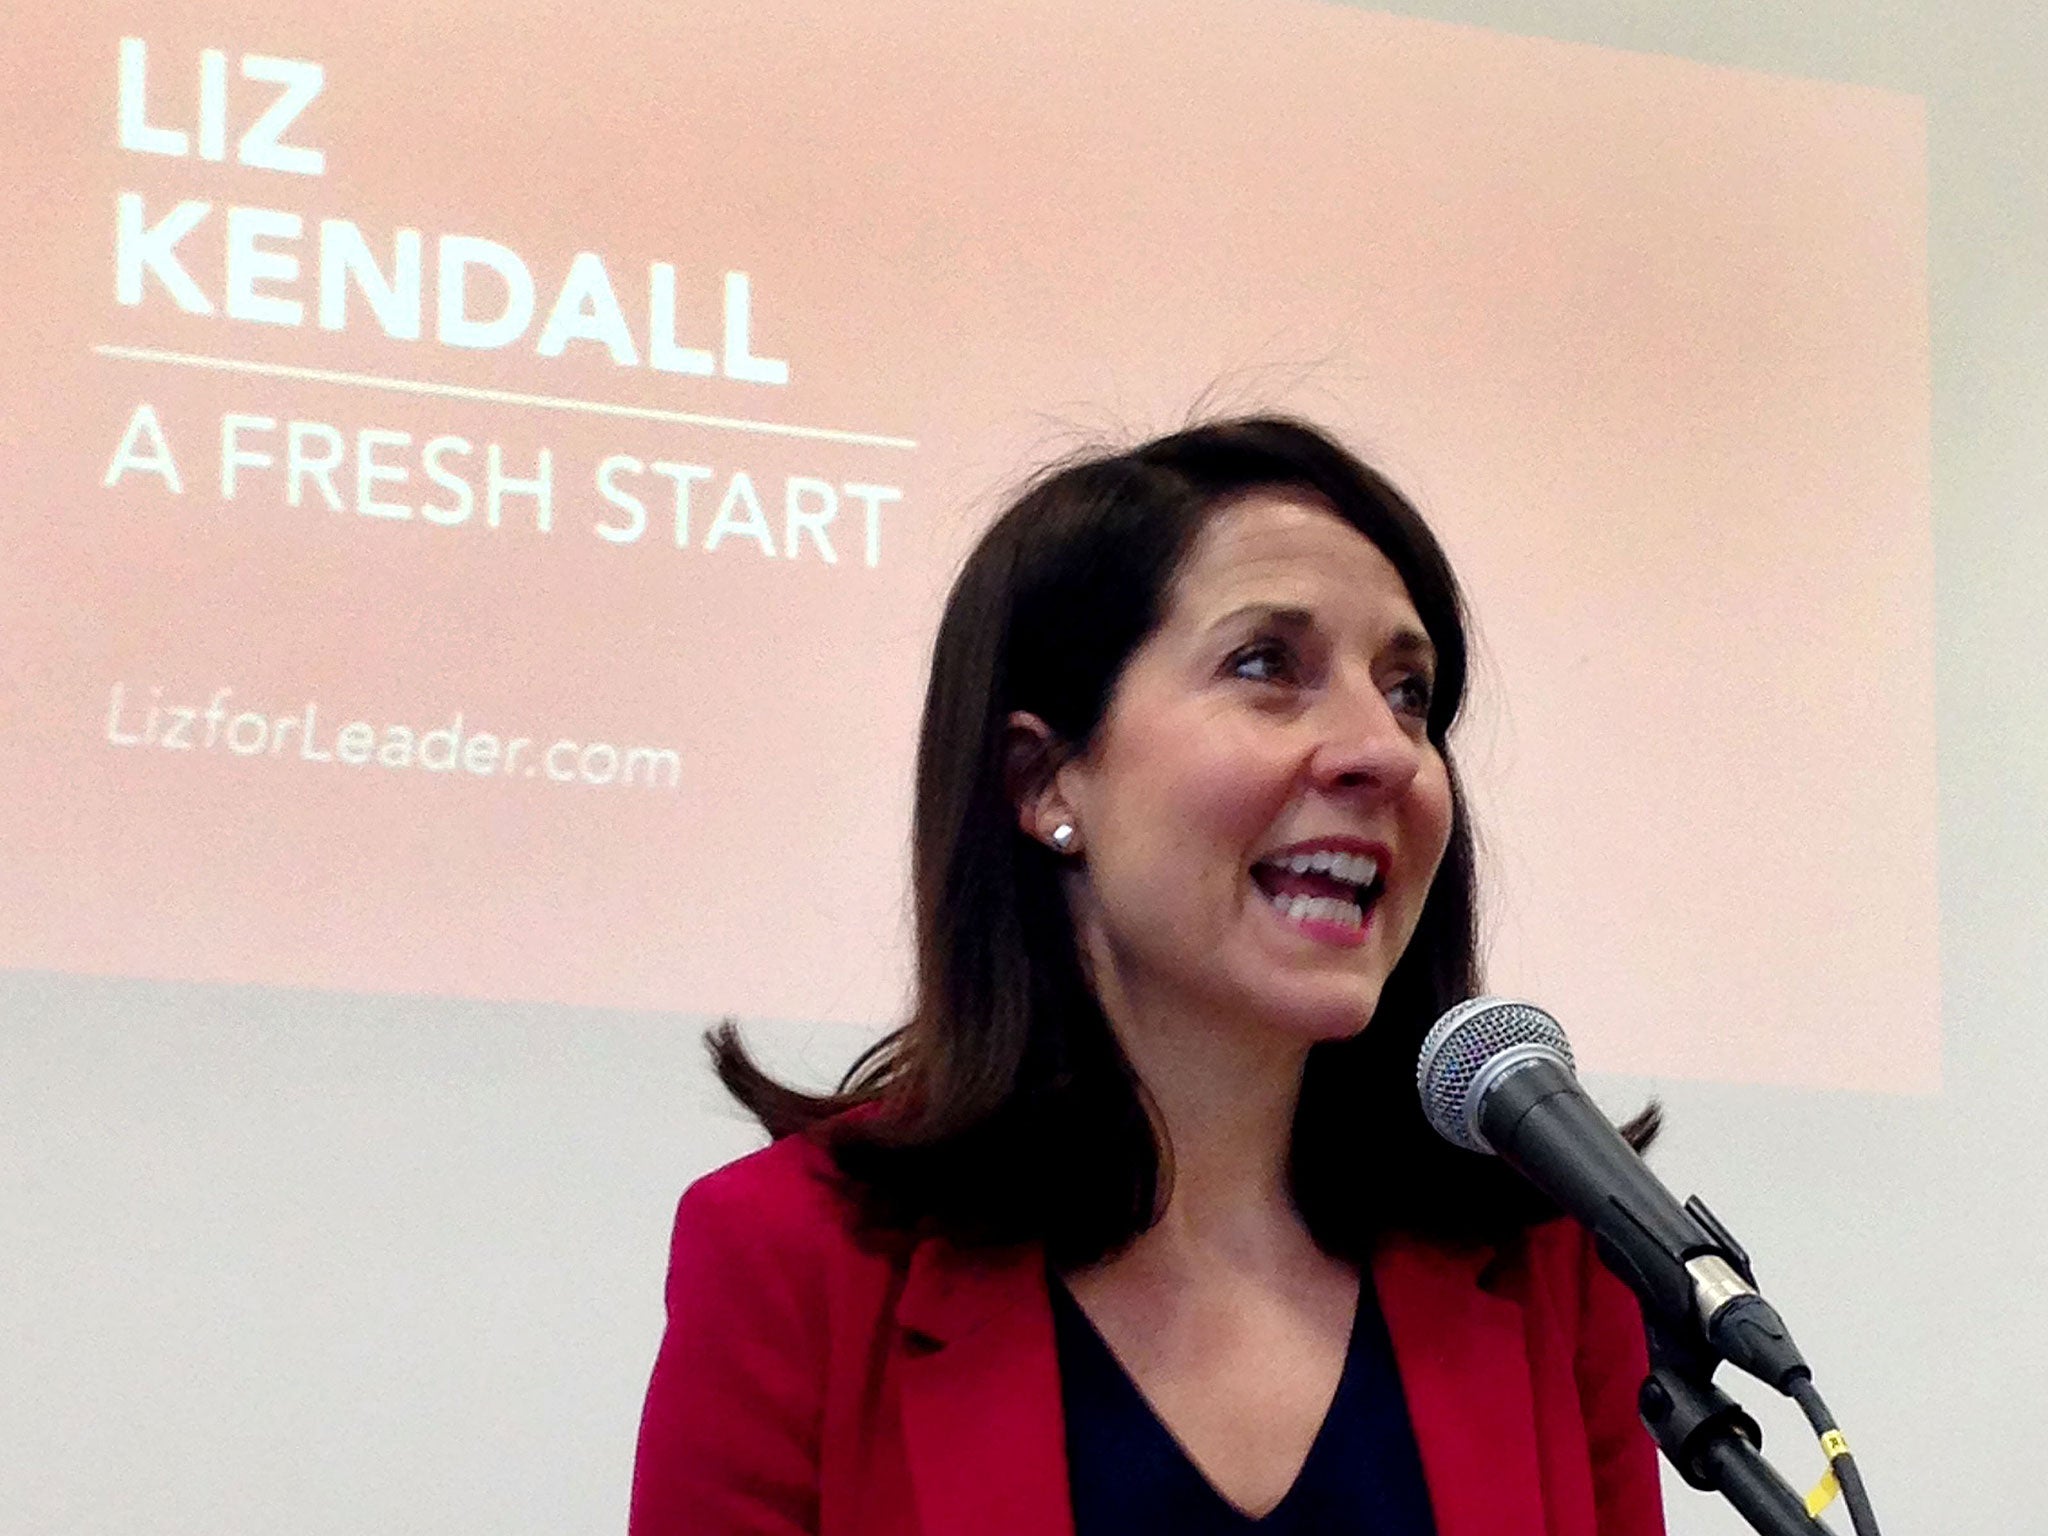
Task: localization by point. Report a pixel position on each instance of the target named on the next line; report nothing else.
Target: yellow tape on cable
(1822, 1496)
(1825, 1492)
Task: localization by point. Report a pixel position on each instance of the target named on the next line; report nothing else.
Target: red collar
(981, 1371)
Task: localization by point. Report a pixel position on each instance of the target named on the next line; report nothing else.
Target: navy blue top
(1363, 1475)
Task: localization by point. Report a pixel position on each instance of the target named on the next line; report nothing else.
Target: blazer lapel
(1464, 1367)
(983, 1431)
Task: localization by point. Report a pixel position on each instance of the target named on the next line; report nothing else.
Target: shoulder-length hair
(1004, 1110)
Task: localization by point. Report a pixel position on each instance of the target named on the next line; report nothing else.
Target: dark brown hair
(1003, 1110)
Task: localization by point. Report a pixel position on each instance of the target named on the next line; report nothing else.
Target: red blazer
(808, 1384)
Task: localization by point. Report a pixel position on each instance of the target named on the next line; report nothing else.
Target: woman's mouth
(1327, 893)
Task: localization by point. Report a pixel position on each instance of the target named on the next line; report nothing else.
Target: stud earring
(1063, 837)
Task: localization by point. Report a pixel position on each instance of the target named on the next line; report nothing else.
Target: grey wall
(290, 1262)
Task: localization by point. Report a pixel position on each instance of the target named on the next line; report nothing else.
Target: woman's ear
(1032, 754)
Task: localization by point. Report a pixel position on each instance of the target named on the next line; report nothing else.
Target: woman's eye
(1265, 661)
(1410, 696)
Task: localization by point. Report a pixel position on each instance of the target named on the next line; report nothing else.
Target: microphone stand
(1713, 1443)
(1704, 1432)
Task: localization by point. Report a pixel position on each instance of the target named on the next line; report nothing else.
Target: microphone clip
(1710, 1439)
(1736, 1255)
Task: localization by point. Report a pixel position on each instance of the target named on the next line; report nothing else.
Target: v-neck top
(1362, 1476)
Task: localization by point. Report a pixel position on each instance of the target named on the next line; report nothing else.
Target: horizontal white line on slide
(503, 397)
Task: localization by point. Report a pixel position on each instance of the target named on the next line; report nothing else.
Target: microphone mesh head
(1469, 1049)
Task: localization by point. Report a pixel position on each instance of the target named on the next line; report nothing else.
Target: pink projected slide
(477, 486)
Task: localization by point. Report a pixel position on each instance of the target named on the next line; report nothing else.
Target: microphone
(1496, 1077)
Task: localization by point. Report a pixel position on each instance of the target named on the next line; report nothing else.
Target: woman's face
(1261, 813)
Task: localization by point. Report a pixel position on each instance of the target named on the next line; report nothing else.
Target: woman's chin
(1332, 1010)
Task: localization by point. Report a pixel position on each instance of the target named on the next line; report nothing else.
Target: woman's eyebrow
(1280, 615)
(1405, 644)
(1411, 645)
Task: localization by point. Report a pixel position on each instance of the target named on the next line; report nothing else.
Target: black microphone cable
(1842, 1474)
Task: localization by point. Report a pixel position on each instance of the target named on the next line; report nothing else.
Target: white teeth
(1320, 909)
(1352, 868)
(1357, 868)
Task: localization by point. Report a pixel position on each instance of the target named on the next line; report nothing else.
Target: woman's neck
(1226, 1098)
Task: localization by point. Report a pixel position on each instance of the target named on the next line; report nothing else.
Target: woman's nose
(1363, 743)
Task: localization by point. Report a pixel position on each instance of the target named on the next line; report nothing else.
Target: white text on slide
(222, 724)
(264, 266)
(448, 480)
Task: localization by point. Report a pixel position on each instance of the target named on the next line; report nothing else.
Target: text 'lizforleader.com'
(259, 735)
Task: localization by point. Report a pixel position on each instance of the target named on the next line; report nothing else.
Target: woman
(1136, 1224)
